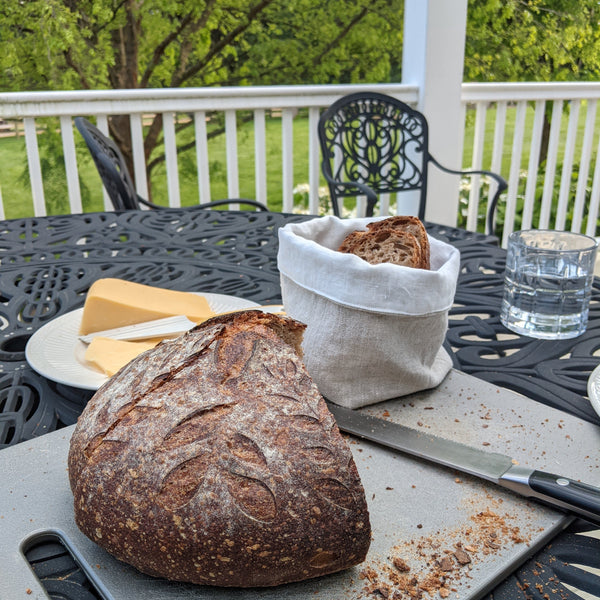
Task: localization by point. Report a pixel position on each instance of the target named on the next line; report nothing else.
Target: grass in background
(16, 194)
(17, 197)
(14, 185)
(188, 180)
(523, 173)
(509, 130)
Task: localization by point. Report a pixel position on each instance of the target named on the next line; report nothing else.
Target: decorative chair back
(374, 144)
(111, 166)
(117, 180)
(375, 140)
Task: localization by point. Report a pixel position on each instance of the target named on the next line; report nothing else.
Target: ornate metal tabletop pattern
(48, 264)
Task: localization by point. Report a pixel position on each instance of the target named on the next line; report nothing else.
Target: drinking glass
(548, 283)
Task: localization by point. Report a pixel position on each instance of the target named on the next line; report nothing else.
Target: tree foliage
(127, 44)
(103, 44)
(532, 40)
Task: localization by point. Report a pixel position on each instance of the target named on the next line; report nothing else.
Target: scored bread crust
(213, 459)
(384, 246)
(409, 224)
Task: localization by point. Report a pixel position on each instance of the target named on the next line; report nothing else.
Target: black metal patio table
(48, 264)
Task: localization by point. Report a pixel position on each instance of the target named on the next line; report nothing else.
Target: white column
(433, 59)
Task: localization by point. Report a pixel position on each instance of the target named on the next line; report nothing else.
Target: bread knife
(556, 490)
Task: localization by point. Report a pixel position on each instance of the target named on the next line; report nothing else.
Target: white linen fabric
(374, 332)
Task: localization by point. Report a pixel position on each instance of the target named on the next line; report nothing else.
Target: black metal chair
(116, 178)
(374, 144)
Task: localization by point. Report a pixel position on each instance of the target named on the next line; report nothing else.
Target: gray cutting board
(419, 512)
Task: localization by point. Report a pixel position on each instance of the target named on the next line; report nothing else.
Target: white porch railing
(506, 138)
(198, 102)
(573, 145)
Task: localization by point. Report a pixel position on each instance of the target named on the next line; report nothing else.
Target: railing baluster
(287, 149)
(477, 160)
(337, 161)
(567, 170)
(498, 146)
(515, 169)
(260, 156)
(66, 130)
(534, 161)
(584, 167)
(139, 158)
(551, 158)
(233, 183)
(314, 170)
(35, 170)
(102, 124)
(171, 159)
(361, 206)
(384, 204)
(202, 156)
(594, 197)
(499, 127)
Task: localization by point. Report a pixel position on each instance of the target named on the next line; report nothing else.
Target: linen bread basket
(374, 332)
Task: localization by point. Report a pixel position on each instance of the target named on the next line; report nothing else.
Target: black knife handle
(578, 497)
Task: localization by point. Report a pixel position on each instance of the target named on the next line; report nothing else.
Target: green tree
(124, 44)
(533, 40)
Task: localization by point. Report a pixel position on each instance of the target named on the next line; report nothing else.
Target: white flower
(301, 188)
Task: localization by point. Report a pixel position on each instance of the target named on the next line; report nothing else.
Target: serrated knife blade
(556, 490)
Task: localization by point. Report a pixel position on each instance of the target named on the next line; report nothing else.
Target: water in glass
(547, 285)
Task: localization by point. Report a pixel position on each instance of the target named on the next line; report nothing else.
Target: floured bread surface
(213, 459)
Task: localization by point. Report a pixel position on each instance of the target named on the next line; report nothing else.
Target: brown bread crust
(409, 224)
(213, 459)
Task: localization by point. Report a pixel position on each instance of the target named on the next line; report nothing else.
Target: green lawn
(509, 134)
(14, 187)
(218, 165)
(16, 195)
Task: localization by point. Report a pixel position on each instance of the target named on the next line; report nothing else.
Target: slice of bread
(350, 240)
(384, 246)
(411, 225)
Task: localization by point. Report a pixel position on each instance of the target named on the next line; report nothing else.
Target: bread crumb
(400, 564)
(432, 565)
(462, 557)
(446, 564)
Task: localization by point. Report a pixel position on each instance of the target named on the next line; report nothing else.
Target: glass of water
(548, 283)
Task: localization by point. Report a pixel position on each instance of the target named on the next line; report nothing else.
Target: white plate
(56, 352)
(593, 387)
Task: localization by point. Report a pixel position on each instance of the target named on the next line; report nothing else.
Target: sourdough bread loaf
(213, 459)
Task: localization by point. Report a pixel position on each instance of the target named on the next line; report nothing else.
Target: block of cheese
(109, 356)
(112, 303)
